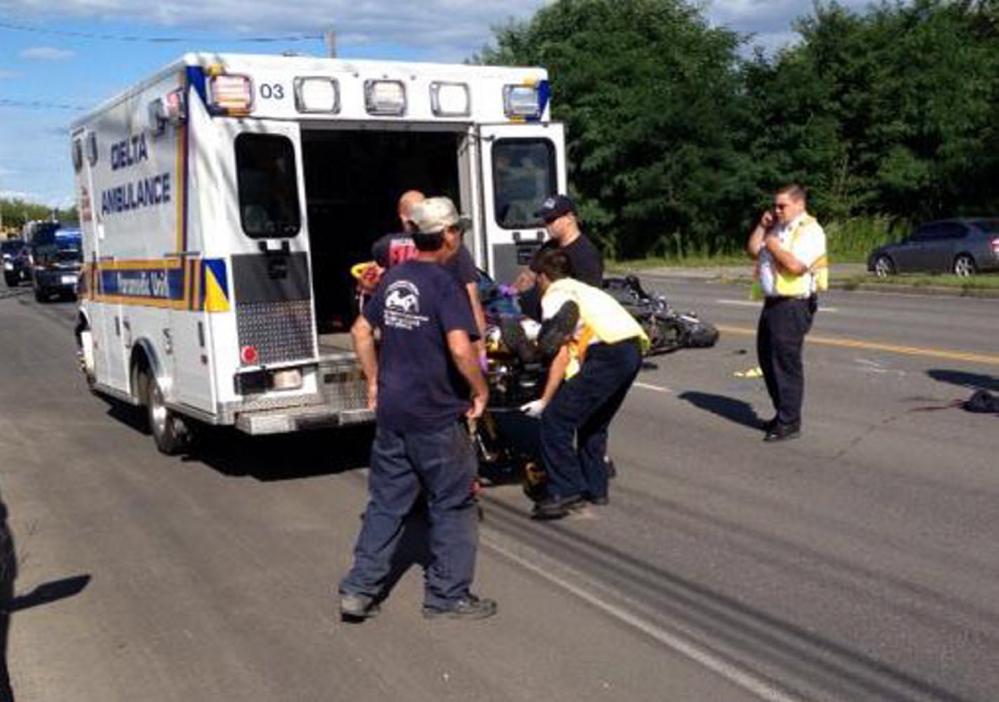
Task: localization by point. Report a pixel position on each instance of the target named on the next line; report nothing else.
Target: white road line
(752, 303)
(654, 388)
(735, 674)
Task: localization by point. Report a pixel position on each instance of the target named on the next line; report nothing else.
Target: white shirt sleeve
(552, 302)
(810, 244)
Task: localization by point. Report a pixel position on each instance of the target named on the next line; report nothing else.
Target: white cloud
(5, 73)
(438, 26)
(45, 53)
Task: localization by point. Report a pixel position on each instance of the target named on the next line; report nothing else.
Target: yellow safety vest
(787, 284)
(601, 316)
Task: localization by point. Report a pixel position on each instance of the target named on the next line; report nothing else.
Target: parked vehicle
(15, 269)
(225, 199)
(54, 258)
(960, 246)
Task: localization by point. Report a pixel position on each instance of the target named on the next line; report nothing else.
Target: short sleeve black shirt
(587, 263)
(419, 388)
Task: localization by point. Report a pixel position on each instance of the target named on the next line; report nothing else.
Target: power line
(155, 40)
(38, 105)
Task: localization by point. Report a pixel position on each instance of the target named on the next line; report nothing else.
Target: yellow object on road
(756, 372)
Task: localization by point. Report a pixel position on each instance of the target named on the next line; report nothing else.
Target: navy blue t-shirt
(415, 305)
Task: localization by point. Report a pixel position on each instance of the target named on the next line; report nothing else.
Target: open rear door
(522, 164)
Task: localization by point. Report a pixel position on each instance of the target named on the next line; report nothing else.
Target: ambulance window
(523, 177)
(268, 186)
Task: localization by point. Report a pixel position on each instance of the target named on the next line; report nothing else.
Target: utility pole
(330, 37)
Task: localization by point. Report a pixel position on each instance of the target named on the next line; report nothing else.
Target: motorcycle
(668, 330)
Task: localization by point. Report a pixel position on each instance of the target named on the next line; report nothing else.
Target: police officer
(424, 380)
(789, 246)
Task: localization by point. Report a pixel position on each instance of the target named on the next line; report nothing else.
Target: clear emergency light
(317, 95)
(450, 99)
(230, 94)
(385, 97)
(521, 102)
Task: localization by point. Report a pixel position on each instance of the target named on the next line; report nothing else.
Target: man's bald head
(409, 200)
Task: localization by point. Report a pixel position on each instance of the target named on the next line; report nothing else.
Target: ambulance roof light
(317, 94)
(385, 97)
(522, 102)
(230, 94)
(450, 99)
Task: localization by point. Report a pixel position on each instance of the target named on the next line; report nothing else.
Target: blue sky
(51, 59)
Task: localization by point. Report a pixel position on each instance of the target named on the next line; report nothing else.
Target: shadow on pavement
(734, 410)
(285, 456)
(49, 592)
(8, 574)
(266, 458)
(972, 381)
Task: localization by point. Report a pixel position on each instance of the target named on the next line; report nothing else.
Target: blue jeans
(442, 465)
(574, 425)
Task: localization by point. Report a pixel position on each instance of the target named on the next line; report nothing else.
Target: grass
(982, 281)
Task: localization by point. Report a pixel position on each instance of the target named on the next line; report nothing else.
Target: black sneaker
(552, 508)
(770, 424)
(468, 607)
(783, 432)
(515, 339)
(357, 608)
(555, 332)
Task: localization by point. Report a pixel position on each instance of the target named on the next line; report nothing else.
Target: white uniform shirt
(809, 246)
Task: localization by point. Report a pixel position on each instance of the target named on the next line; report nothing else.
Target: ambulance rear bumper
(284, 421)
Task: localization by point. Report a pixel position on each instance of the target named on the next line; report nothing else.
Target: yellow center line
(952, 355)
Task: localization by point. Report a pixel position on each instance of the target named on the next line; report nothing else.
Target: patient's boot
(515, 339)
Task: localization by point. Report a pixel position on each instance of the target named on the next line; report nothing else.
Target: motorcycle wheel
(665, 335)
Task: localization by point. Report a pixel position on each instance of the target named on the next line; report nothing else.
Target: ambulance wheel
(85, 354)
(170, 432)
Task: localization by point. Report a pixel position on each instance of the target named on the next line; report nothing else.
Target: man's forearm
(755, 243)
(364, 347)
(556, 371)
(467, 362)
(788, 261)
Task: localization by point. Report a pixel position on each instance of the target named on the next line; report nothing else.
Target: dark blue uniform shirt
(415, 305)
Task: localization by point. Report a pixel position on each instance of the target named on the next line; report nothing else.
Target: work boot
(515, 338)
(468, 607)
(357, 608)
(783, 432)
(555, 332)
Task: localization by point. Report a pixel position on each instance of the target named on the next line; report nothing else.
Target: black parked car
(15, 262)
(960, 246)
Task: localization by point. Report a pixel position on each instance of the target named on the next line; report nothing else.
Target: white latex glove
(534, 408)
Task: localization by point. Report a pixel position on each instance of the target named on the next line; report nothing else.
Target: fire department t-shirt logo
(402, 306)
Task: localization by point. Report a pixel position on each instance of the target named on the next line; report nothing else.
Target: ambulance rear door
(522, 165)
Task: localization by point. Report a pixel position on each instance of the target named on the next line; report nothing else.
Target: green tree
(651, 98)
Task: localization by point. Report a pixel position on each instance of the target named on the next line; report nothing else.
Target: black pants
(574, 425)
(780, 339)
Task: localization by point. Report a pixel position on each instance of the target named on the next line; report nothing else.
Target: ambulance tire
(170, 432)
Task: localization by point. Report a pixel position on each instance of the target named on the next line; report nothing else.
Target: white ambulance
(224, 200)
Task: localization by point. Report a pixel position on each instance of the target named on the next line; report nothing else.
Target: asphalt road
(857, 563)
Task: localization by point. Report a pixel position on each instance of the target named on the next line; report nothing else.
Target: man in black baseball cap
(559, 215)
(555, 207)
